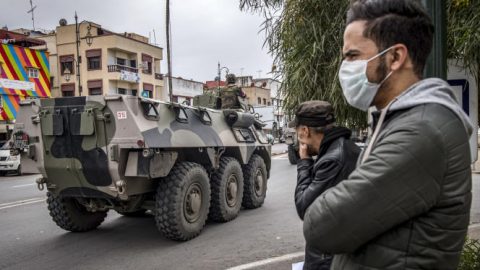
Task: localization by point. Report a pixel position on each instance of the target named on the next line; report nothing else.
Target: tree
(305, 37)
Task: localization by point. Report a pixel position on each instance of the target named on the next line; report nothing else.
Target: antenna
(32, 8)
(154, 38)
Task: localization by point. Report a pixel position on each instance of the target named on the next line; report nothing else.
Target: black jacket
(336, 160)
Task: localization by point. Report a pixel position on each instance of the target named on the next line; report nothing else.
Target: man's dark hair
(391, 22)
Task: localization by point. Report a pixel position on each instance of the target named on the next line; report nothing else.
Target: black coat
(336, 160)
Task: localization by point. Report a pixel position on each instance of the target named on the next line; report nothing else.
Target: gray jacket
(407, 206)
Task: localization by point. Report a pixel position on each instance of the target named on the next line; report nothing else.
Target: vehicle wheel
(292, 154)
(182, 201)
(255, 182)
(138, 213)
(19, 170)
(70, 215)
(227, 190)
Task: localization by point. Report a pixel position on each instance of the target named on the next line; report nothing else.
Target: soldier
(232, 96)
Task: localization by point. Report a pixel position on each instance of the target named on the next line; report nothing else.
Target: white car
(9, 162)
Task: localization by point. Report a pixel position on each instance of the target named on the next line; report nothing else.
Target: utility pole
(32, 8)
(437, 61)
(169, 57)
(77, 43)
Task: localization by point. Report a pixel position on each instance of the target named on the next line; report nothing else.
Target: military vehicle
(292, 142)
(131, 154)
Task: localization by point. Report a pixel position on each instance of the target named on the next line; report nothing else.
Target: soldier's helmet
(231, 78)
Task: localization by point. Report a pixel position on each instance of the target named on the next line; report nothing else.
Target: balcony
(119, 68)
(158, 76)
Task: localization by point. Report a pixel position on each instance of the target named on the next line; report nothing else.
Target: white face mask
(356, 88)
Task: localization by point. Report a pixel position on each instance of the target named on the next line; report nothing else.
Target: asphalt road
(30, 240)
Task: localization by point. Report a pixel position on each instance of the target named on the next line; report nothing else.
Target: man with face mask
(336, 157)
(407, 204)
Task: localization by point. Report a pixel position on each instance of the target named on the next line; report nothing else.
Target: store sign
(129, 76)
(17, 85)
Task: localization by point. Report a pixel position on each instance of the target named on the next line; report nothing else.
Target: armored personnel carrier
(130, 154)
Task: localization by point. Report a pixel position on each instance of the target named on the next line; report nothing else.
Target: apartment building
(108, 62)
(183, 90)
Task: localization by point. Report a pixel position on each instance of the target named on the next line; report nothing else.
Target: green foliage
(463, 33)
(305, 38)
(470, 259)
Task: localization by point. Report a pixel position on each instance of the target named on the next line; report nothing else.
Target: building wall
(254, 93)
(182, 89)
(16, 84)
(112, 46)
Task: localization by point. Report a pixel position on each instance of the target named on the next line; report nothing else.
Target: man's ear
(303, 130)
(399, 58)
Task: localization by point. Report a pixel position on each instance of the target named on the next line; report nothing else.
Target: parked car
(9, 162)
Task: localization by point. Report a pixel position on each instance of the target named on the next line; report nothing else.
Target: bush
(470, 258)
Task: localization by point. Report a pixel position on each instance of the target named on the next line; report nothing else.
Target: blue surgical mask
(358, 91)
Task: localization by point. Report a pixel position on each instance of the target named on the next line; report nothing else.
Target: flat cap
(313, 113)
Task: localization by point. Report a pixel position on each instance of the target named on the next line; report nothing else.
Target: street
(30, 240)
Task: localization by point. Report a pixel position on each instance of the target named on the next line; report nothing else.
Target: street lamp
(89, 40)
(219, 78)
(67, 74)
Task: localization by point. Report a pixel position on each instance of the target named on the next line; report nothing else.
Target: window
(122, 91)
(259, 101)
(32, 72)
(121, 61)
(134, 92)
(133, 63)
(68, 89)
(147, 90)
(94, 59)
(269, 104)
(97, 91)
(147, 63)
(66, 62)
(264, 101)
(95, 87)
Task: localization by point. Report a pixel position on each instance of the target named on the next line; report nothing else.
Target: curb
(474, 231)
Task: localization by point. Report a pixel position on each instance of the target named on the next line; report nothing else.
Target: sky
(204, 32)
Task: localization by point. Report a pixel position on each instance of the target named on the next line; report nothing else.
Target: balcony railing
(158, 76)
(118, 68)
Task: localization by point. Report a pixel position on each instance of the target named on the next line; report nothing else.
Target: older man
(336, 157)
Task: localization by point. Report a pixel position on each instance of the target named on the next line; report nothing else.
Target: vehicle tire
(183, 201)
(19, 170)
(70, 215)
(138, 213)
(255, 182)
(292, 154)
(227, 190)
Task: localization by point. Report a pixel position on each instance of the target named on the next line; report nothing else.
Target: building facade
(24, 73)
(109, 63)
(183, 90)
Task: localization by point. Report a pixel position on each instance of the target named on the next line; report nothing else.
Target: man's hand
(303, 151)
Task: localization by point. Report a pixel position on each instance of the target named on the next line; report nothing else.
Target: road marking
(22, 202)
(26, 185)
(281, 156)
(257, 264)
